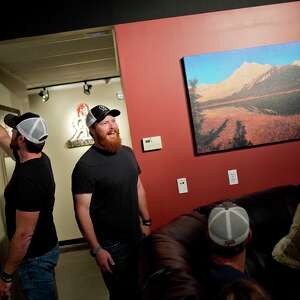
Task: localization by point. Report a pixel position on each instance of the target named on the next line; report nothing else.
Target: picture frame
(244, 98)
(7, 163)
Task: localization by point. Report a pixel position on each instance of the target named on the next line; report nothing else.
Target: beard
(110, 145)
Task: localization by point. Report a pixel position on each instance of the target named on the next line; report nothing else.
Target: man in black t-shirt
(109, 198)
(29, 198)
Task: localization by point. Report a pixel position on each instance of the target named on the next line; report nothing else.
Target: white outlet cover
(233, 177)
(182, 185)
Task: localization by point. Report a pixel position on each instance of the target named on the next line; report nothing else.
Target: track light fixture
(87, 88)
(44, 94)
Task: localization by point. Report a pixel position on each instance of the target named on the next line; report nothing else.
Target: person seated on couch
(286, 265)
(228, 234)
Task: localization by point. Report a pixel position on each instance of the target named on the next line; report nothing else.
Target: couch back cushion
(271, 214)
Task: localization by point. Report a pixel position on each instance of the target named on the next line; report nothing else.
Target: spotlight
(120, 95)
(87, 88)
(44, 94)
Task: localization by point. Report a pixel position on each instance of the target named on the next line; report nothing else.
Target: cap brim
(114, 113)
(11, 120)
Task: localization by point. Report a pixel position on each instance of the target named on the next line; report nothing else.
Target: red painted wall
(153, 84)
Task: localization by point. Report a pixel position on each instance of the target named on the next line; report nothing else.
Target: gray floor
(78, 277)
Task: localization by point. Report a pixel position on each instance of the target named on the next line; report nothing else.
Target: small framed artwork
(245, 97)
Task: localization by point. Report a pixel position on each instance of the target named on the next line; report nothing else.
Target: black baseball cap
(13, 120)
(98, 113)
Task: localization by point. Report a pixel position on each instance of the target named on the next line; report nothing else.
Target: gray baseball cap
(228, 224)
(98, 113)
(30, 125)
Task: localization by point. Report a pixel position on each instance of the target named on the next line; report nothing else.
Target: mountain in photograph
(253, 80)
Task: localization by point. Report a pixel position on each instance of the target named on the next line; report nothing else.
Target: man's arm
(82, 214)
(143, 208)
(25, 226)
(5, 140)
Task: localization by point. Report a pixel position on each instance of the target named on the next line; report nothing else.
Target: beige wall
(19, 101)
(4, 100)
(59, 112)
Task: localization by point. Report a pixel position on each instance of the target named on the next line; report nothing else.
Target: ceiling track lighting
(44, 94)
(87, 88)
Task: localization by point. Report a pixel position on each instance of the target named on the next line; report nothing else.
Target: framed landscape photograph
(244, 98)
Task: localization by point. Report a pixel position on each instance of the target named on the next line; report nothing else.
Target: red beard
(111, 145)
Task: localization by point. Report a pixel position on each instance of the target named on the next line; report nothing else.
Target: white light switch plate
(152, 143)
(233, 177)
(182, 185)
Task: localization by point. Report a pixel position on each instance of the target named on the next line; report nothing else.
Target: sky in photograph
(217, 66)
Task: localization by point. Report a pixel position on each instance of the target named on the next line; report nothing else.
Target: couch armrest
(170, 259)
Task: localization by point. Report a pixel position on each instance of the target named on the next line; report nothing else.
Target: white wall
(59, 112)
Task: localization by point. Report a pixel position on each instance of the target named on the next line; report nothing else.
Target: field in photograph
(227, 127)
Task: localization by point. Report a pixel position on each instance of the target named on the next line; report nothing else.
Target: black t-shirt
(111, 178)
(221, 275)
(32, 189)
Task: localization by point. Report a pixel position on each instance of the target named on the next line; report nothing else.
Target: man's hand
(105, 260)
(4, 289)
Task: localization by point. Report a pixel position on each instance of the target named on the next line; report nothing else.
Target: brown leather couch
(173, 261)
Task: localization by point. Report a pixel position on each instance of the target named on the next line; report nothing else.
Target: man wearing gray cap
(29, 197)
(229, 233)
(109, 198)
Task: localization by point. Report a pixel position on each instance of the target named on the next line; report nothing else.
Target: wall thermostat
(152, 143)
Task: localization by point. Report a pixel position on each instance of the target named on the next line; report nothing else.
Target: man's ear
(250, 236)
(91, 133)
(22, 142)
(21, 138)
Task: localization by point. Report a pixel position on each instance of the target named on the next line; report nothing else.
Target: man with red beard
(109, 198)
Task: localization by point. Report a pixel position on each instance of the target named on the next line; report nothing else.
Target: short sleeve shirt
(32, 189)
(111, 178)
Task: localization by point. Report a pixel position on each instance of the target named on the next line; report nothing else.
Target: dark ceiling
(31, 18)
